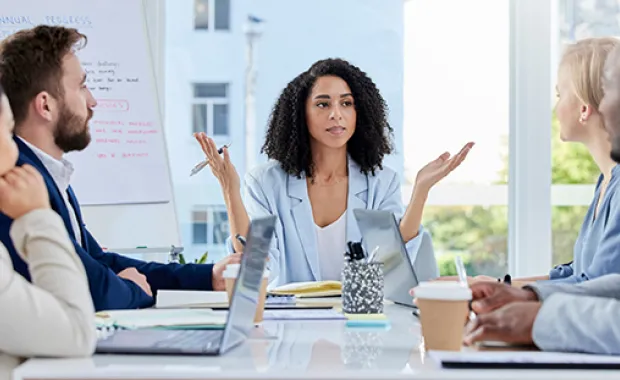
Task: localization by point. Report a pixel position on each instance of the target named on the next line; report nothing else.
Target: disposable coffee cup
(444, 307)
(230, 277)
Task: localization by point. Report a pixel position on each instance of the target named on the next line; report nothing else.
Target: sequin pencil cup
(362, 287)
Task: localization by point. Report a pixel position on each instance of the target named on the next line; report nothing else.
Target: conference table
(297, 350)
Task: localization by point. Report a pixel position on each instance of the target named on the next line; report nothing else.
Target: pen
(205, 163)
(348, 253)
(241, 239)
(372, 255)
(358, 251)
(460, 269)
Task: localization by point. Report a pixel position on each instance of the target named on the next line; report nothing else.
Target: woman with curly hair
(327, 137)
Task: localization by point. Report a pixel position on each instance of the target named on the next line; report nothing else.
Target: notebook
(168, 319)
(310, 289)
(178, 299)
(198, 299)
(523, 360)
(303, 315)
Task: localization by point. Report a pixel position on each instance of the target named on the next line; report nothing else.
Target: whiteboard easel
(123, 178)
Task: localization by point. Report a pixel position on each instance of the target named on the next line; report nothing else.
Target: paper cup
(444, 307)
(230, 277)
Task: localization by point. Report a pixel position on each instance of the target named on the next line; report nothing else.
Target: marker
(205, 163)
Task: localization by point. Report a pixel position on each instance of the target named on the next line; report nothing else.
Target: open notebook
(310, 289)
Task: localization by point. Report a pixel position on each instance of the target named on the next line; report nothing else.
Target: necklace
(314, 182)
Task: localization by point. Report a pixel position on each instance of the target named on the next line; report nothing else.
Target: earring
(582, 119)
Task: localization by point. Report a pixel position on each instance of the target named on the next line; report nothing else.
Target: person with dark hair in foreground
(46, 86)
(327, 137)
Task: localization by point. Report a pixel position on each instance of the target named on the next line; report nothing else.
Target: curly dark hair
(288, 139)
(1, 93)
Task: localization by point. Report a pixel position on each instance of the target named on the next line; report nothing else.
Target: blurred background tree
(480, 234)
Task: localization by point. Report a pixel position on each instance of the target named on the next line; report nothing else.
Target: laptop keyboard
(191, 339)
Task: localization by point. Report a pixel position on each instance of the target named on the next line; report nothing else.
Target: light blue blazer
(293, 256)
(597, 249)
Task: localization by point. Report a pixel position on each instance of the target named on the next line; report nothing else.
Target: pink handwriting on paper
(112, 105)
(135, 155)
(108, 122)
(141, 123)
(142, 131)
(107, 141)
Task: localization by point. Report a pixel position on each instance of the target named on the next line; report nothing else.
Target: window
(212, 14)
(200, 225)
(222, 14)
(574, 172)
(210, 226)
(210, 109)
(495, 90)
(467, 212)
(201, 14)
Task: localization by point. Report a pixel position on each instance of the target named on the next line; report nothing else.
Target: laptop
(239, 323)
(380, 228)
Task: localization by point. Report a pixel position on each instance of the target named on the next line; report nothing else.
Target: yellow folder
(310, 289)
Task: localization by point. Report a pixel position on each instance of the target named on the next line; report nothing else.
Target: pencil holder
(362, 287)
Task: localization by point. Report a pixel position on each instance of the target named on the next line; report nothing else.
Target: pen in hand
(205, 163)
(241, 239)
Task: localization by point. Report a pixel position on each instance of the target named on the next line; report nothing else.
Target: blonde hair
(584, 62)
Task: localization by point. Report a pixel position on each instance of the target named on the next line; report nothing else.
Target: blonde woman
(579, 93)
(54, 315)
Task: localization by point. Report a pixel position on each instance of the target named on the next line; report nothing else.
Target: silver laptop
(240, 319)
(380, 228)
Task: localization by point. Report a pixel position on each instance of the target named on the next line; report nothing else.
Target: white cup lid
(443, 290)
(232, 271)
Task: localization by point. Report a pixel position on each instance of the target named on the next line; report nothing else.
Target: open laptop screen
(247, 287)
(380, 230)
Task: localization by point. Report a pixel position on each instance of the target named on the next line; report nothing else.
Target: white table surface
(295, 350)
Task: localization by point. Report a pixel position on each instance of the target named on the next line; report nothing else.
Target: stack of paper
(302, 315)
(190, 298)
(154, 318)
(310, 289)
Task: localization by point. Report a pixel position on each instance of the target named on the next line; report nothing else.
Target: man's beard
(72, 132)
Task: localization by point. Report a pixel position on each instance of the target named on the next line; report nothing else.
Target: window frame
(211, 17)
(530, 194)
(210, 102)
(210, 223)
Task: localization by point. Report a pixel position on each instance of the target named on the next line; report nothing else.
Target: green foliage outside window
(480, 234)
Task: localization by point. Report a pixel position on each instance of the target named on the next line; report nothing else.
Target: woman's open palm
(439, 168)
